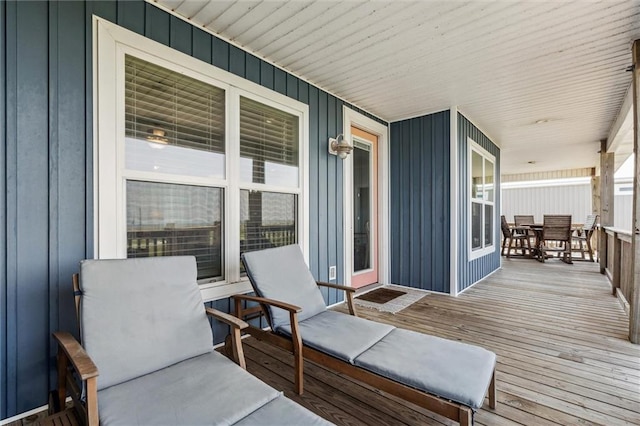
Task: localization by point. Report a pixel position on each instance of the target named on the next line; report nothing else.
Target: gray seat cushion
(451, 370)
(281, 274)
(283, 412)
(205, 390)
(140, 315)
(341, 335)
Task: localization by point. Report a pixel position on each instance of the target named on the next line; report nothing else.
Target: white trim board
(349, 118)
(481, 279)
(454, 167)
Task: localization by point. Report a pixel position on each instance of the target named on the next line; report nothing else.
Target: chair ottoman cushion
(283, 412)
(448, 369)
(340, 335)
(208, 389)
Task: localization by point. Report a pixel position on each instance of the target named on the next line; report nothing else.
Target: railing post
(634, 299)
(607, 169)
(617, 262)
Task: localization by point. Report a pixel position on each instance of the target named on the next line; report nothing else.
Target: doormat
(395, 304)
(381, 295)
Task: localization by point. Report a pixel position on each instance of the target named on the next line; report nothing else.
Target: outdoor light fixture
(339, 146)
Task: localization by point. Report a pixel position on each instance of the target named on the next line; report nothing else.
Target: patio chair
(144, 328)
(514, 236)
(583, 236)
(557, 230)
(444, 376)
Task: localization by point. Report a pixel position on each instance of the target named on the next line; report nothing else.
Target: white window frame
(110, 44)
(473, 146)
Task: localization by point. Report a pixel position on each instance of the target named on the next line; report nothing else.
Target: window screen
(176, 220)
(267, 219)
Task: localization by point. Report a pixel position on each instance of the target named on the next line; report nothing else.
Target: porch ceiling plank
(560, 337)
(504, 64)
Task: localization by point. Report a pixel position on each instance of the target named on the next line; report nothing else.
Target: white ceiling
(505, 64)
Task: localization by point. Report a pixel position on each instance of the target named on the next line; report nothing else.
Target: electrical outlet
(332, 273)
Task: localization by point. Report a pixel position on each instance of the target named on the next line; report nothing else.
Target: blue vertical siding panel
(237, 61)
(67, 114)
(9, 327)
(252, 68)
(332, 183)
(340, 273)
(314, 202)
(107, 9)
(292, 86)
(157, 24)
(470, 272)
(130, 14)
(420, 223)
(323, 192)
(180, 35)
(266, 75)
(30, 278)
(3, 218)
(280, 81)
(201, 47)
(220, 52)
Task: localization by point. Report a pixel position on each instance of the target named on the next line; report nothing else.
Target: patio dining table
(537, 231)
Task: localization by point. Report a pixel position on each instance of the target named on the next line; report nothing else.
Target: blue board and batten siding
(472, 271)
(420, 208)
(46, 183)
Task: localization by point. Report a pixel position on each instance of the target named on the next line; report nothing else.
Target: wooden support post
(634, 299)
(607, 170)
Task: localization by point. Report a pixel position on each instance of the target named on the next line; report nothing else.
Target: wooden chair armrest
(263, 300)
(227, 319)
(79, 358)
(349, 292)
(336, 286)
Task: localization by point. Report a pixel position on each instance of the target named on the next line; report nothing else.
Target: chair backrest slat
(504, 226)
(523, 220)
(590, 222)
(556, 227)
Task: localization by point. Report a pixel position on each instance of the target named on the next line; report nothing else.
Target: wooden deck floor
(560, 337)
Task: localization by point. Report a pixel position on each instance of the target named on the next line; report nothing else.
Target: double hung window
(194, 161)
(482, 200)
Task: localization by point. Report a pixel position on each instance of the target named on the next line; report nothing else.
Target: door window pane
(361, 209)
(174, 124)
(175, 220)
(267, 219)
(268, 145)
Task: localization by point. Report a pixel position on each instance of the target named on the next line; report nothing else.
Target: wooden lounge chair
(444, 376)
(583, 236)
(145, 330)
(557, 230)
(516, 238)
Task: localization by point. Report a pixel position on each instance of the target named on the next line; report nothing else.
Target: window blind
(176, 220)
(167, 107)
(269, 139)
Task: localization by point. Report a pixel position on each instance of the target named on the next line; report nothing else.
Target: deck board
(560, 336)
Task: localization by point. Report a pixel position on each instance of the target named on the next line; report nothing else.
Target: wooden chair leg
(509, 249)
(492, 390)
(298, 359)
(590, 249)
(466, 416)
